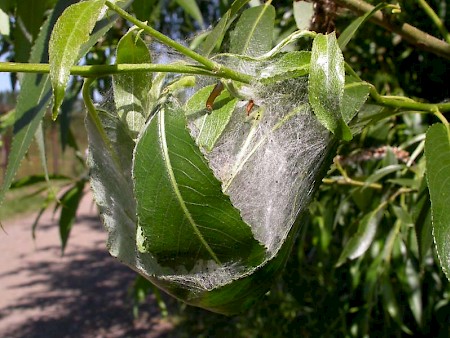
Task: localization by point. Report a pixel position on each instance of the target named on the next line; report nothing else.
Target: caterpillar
(249, 107)
(212, 97)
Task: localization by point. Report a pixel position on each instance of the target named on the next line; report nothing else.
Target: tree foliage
(360, 257)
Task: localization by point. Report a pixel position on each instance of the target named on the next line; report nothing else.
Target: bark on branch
(410, 33)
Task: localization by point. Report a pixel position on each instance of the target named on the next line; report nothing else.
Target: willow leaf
(29, 17)
(216, 36)
(326, 84)
(191, 8)
(71, 31)
(351, 29)
(69, 206)
(183, 216)
(288, 66)
(131, 91)
(254, 31)
(210, 125)
(362, 239)
(437, 152)
(355, 95)
(303, 14)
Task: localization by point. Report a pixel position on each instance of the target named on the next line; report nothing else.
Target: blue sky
(5, 84)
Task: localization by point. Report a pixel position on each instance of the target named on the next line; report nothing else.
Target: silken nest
(202, 188)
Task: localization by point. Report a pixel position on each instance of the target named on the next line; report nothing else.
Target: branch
(209, 64)
(410, 33)
(104, 70)
(435, 18)
(351, 182)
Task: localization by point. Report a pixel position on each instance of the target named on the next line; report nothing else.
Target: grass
(19, 203)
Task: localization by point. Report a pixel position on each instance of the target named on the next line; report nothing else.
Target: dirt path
(82, 294)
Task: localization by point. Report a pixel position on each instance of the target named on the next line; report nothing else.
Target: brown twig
(410, 33)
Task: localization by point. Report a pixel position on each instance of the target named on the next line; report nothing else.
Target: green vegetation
(208, 194)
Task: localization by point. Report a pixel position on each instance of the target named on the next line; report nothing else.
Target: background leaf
(437, 152)
(69, 205)
(32, 102)
(144, 8)
(29, 20)
(422, 221)
(326, 84)
(71, 31)
(362, 239)
(191, 8)
(215, 37)
(198, 222)
(4, 23)
(391, 304)
(254, 31)
(351, 29)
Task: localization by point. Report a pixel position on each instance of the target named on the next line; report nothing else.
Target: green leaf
(437, 153)
(191, 8)
(7, 120)
(69, 205)
(351, 29)
(362, 239)
(391, 304)
(36, 179)
(383, 172)
(39, 136)
(198, 222)
(415, 298)
(31, 103)
(422, 221)
(67, 107)
(35, 94)
(143, 9)
(355, 95)
(29, 16)
(254, 31)
(131, 91)
(216, 36)
(288, 66)
(326, 84)
(210, 125)
(71, 31)
(236, 6)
